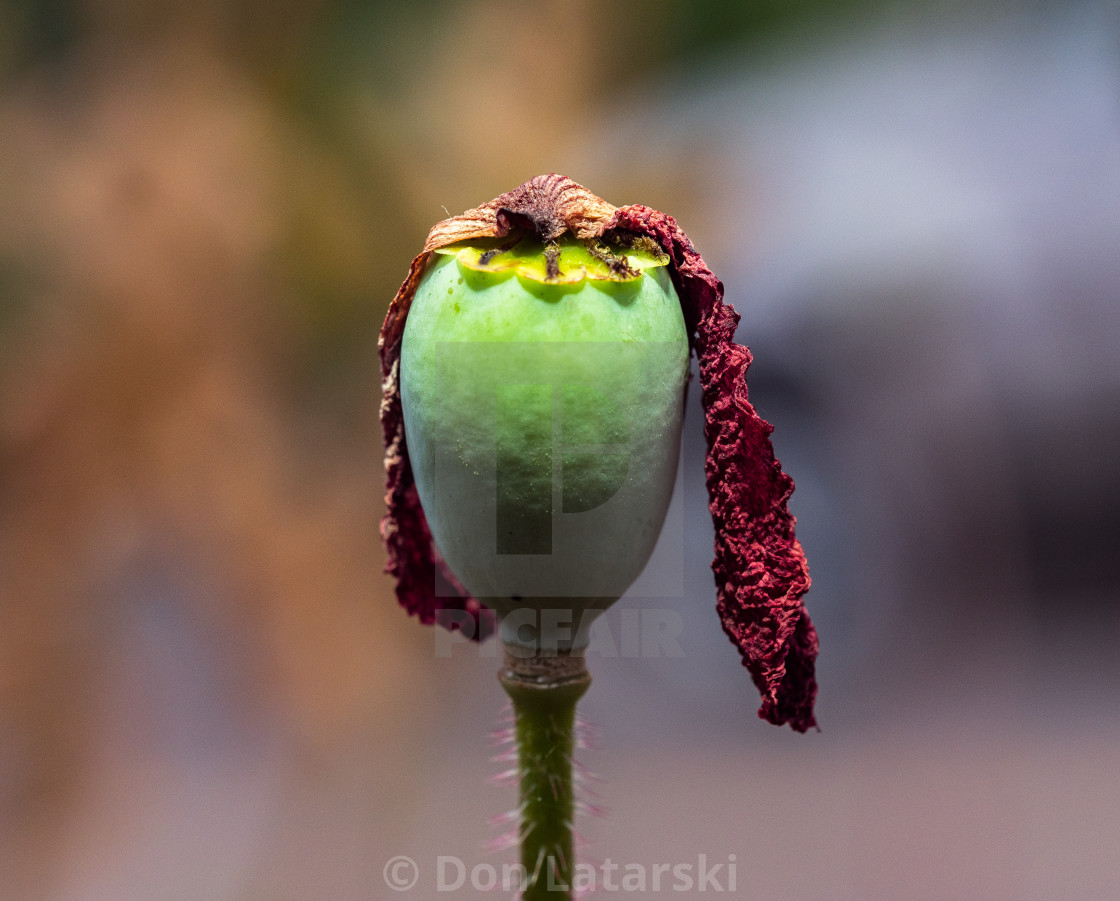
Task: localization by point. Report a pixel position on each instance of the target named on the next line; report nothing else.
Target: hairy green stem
(544, 691)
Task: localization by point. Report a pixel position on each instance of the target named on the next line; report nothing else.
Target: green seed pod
(543, 376)
(542, 386)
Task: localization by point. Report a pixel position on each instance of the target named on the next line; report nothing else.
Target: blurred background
(206, 689)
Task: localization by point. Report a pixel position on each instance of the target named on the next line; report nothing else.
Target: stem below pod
(544, 691)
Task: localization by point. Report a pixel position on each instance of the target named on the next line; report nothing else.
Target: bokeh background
(206, 690)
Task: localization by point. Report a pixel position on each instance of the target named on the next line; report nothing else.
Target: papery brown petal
(551, 204)
(760, 568)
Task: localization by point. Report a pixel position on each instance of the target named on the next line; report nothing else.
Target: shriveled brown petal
(552, 204)
(760, 568)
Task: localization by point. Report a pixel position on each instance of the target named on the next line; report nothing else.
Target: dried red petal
(412, 558)
(760, 568)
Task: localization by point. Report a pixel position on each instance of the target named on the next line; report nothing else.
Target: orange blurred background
(206, 689)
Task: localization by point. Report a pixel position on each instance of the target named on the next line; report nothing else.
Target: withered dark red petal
(760, 569)
(759, 566)
(412, 558)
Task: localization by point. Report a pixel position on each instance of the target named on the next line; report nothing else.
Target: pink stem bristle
(560, 854)
(503, 842)
(535, 875)
(586, 727)
(598, 811)
(508, 818)
(508, 840)
(588, 736)
(586, 790)
(509, 756)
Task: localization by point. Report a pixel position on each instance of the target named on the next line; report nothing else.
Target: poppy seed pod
(542, 388)
(534, 365)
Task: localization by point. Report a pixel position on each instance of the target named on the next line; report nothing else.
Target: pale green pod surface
(543, 404)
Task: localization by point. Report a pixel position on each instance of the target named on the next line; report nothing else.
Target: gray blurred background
(206, 690)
